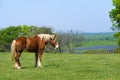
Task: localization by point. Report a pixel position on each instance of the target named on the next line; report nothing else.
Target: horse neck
(46, 37)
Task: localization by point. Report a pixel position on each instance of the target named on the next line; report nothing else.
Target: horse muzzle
(57, 46)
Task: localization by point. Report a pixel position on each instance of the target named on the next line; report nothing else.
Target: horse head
(50, 39)
(53, 41)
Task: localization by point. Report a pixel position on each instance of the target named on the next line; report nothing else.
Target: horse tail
(13, 51)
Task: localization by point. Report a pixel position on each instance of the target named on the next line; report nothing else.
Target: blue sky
(61, 15)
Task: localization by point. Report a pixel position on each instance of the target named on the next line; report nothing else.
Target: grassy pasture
(62, 67)
(96, 43)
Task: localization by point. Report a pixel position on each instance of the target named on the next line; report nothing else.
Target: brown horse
(35, 44)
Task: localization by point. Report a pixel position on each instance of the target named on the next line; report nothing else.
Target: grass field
(62, 67)
(96, 43)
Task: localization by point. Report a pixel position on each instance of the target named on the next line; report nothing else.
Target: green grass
(62, 67)
(96, 43)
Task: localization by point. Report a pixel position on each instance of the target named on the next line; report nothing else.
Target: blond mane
(46, 37)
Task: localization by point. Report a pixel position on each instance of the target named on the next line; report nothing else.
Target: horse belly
(31, 48)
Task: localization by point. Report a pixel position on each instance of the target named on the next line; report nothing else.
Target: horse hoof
(40, 66)
(18, 67)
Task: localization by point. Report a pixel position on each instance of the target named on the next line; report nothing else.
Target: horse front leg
(36, 59)
(17, 62)
(40, 58)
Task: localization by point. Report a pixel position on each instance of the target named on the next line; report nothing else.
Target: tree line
(67, 40)
(100, 36)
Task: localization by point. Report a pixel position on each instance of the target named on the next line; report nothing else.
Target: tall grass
(62, 67)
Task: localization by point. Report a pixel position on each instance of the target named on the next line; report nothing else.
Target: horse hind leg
(17, 62)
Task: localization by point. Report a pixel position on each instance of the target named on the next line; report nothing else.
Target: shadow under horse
(34, 44)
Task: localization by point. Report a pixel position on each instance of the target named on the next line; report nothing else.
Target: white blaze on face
(56, 46)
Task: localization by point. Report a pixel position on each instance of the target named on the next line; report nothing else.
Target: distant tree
(115, 19)
(69, 41)
(40, 30)
(115, 15)
(117, 36)
(7, 35)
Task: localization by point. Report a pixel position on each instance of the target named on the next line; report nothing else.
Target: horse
(34, 44)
